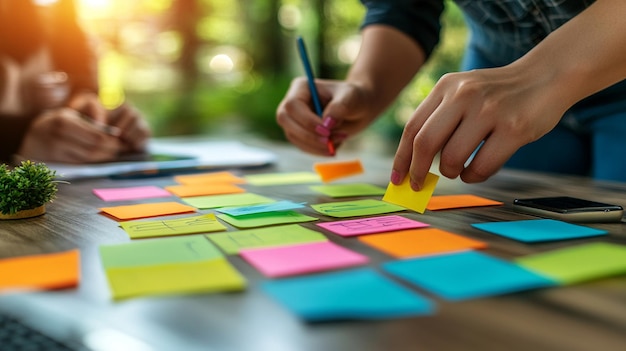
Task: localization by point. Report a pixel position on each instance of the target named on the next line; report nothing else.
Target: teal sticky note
(466, 275)
(354, 294)
(538, 230)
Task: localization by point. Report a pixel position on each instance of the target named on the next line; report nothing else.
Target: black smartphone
(570, 209)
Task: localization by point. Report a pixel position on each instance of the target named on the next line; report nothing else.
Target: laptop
(167, 156)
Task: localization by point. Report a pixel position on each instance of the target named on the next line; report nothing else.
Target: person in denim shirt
(542, 88)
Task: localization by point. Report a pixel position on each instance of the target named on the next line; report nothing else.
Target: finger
(82, 134)
(298, 120)
(404, 154)
(489, 158)
(467, 137)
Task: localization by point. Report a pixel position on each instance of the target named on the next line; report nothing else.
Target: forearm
(12, 131)
(584, 56)
(387, 62)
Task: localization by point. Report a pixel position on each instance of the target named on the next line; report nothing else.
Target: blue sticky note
(466, 275)
(354, 294)
(261, 208)
(538, 230)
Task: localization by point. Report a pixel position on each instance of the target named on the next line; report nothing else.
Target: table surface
(580, 317)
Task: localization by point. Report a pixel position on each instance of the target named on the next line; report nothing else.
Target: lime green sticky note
(356, 208)
(163, 227)
(579, 263)
(226, 200)
(346, 190)
(180, 278)
(266, 218)
(232, 242)
(404, 196)
(282, 178)
(191, 248)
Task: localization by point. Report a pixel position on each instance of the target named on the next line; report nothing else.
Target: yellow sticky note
(404, 196)
(213, 177)
(204, 189)
(147, 210)
(47, 271)
(187, 225)
(330, 171)
(180, 278)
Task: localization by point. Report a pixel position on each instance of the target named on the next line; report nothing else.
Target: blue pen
(304, 56)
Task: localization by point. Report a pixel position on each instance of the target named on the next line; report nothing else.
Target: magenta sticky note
(371, 225)
(300, 259)
(131, 193)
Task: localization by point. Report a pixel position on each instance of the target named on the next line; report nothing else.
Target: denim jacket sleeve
(419, 19)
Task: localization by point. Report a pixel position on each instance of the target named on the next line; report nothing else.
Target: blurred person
(49, 106)
(542, 89)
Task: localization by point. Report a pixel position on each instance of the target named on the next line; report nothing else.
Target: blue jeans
(589, 140)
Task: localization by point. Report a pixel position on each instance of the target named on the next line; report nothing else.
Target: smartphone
(570, 209)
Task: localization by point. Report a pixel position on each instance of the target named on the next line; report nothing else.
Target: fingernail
(329, 122)
(322, 131)
(395, 177)
(323, 140)
(415, 186)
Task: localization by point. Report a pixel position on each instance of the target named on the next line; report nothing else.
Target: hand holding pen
(327, 123)
(346, 108)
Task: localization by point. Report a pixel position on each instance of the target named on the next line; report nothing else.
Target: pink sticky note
(371, 225)
(132, 193)
(300, 259)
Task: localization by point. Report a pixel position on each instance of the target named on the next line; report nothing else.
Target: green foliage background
(160, 55)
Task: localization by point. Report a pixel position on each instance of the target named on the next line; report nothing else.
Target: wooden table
(590, 316)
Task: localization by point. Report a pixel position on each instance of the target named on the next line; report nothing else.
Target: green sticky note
(404, 195)
(227, 200)
(266, 218)
(356, 208)
(346, 190)
(232, 242)
(579, 263)
(180, 278)
(283, 178)
(178, 226)
(190, 248)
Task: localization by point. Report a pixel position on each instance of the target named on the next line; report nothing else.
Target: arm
(511, 106)
(390, 56)
(12, 130)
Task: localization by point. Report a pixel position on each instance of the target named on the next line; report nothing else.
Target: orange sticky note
(147, 210)
(404, 195)
(420, 242)
(330, 171)
(213, 177)
(47, 271)
(444, 202)
(204, 189)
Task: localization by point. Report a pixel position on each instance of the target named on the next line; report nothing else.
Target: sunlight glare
(221, 63)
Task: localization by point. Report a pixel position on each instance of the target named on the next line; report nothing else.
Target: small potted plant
(25, 190)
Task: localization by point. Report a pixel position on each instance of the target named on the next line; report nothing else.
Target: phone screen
(566, 204)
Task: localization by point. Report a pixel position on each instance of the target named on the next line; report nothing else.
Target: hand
(62, 135)
(134, 130)
(88, 104)
(505, 107)
(347, 112)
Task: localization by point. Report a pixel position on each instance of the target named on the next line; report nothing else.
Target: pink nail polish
(329, 122)
(323, 140)
(395, 177)
(322, 131)
(415, 186)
